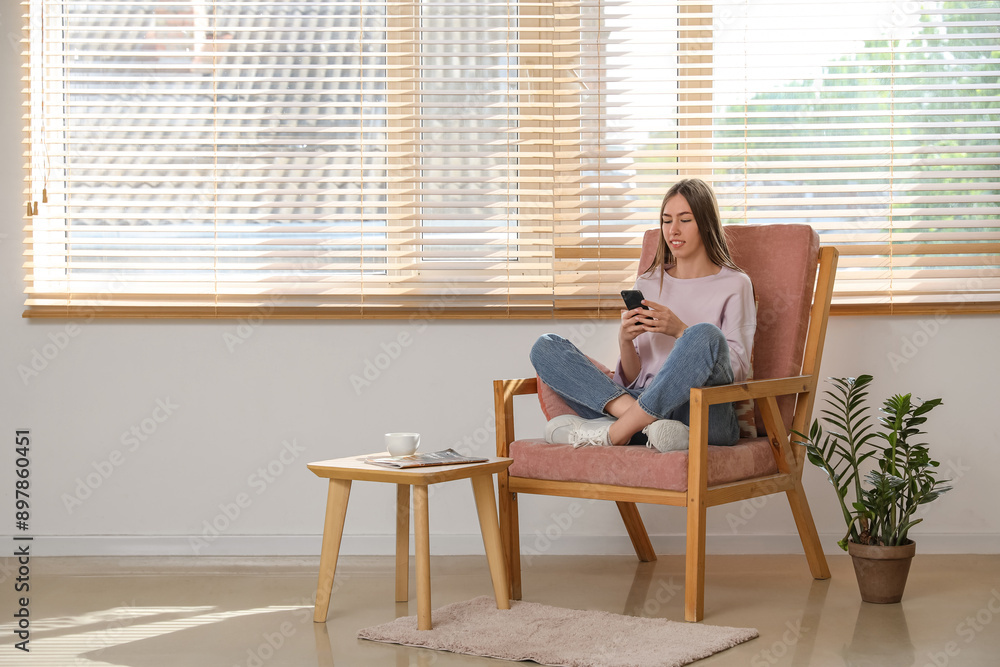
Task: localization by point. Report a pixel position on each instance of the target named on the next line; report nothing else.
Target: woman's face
(680, 229)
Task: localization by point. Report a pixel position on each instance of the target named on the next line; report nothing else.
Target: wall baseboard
(469, 544)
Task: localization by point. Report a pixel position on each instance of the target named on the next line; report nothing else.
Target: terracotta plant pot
(881, 571)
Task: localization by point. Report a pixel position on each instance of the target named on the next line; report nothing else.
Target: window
(871, 122)
(496, 158)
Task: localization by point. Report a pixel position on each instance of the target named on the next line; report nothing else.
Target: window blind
(878, 127)
(494, 159)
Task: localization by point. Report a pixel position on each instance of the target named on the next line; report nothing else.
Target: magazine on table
(446, 457)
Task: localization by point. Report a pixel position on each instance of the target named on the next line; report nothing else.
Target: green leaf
(927, 406)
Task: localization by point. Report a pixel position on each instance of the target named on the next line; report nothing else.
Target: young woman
(698, 331)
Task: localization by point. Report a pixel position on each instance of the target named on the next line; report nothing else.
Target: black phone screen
(633, 299)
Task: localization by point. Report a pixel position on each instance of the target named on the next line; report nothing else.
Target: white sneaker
(577, 431)
(667, 435)
(557, 429)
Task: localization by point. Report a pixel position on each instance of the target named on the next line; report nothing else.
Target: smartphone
(633, 299)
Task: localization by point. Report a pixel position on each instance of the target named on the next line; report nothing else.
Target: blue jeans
(699, 359)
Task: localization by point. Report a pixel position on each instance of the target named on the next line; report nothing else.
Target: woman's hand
(659, 319)
(631, 325)
(630, 328)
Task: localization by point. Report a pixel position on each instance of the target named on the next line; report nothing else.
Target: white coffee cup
(401, 444)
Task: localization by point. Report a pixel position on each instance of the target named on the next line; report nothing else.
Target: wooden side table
(341, 472)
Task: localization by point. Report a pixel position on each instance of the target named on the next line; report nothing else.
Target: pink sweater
(725, 300)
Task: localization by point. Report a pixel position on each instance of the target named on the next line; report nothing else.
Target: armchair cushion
(781, 261)
(638, 466)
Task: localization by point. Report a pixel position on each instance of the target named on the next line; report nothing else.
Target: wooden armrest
(516, 387)
(727, 393)
(765, 391)
(504, 392)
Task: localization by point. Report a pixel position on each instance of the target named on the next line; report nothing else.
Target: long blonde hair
(705, 210)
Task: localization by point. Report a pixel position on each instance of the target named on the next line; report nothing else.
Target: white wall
(226, 409)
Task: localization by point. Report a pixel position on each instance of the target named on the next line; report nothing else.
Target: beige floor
(145, 612)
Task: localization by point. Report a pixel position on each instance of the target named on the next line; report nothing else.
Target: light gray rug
(560, 637)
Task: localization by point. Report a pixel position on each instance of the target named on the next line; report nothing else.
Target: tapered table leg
(333, 531)
(421, 529)
(486, 506)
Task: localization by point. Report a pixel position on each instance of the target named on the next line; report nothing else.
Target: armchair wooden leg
(507, 505)
(807, 532)
(515, 549)
(636, 531)
(694, 563)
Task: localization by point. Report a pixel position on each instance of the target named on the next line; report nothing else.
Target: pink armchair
(793, 282)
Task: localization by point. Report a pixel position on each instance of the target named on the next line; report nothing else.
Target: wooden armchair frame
(789, 458)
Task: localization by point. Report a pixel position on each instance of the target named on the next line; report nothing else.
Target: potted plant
(880, 498)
